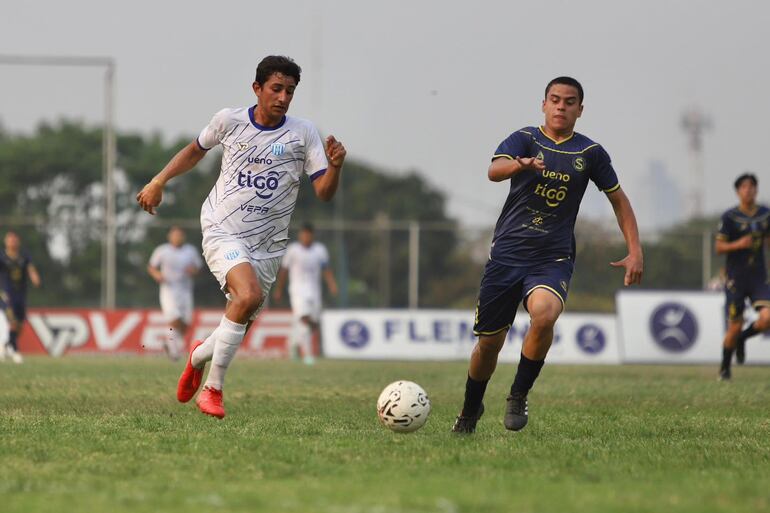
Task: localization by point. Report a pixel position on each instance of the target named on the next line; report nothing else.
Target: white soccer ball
(403, 406)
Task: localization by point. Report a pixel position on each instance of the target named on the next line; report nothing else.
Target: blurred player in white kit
(305, 262)
(174, 265)
(245, 218)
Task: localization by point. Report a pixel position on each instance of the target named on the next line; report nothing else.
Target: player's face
(275, 95)
(12, 241)
(747, 192)
(306, 238)
(176, 237)
(562, 108)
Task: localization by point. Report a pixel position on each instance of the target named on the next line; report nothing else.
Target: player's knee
(249, 300)
(544, 316)
(490, 346)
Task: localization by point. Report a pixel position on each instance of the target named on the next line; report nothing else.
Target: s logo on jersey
(264, 185)
(579, 164)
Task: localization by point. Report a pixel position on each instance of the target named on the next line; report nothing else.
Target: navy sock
(526, 374)
(13, 336)
(727, 356)
(474, 393)
(749, 332)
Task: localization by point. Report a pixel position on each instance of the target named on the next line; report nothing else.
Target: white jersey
(173, 263)
(305, 265)
(257, 188)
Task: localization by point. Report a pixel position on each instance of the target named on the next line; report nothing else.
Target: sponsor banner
(448, 335)
(678, 327)
(81, 330)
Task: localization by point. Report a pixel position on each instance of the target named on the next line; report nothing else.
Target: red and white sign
(56, 331)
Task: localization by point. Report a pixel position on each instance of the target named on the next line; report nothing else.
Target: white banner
(448, 335)
(678, 327)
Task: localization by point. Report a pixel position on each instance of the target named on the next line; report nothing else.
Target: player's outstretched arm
(633, 263)
(34, 276)
(331, 283)
(326, 185)
(503, 168)
(152, 194)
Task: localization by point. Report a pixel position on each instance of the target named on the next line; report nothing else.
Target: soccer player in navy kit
(15, 269)
(741, 236)
(533, 248)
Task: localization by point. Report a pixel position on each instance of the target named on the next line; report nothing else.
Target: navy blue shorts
(503, 287)
(14, 309)
(736, 292)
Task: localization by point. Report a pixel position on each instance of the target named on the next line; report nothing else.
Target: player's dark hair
(277, 64)
(307, 227)
(566, 81)
(745, 176)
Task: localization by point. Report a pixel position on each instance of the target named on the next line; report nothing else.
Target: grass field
(106, 434)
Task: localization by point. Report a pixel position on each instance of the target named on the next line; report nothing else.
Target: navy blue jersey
(746, 263)
(538, 219)
(13, 275)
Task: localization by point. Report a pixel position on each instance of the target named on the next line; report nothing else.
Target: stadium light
(108, 153)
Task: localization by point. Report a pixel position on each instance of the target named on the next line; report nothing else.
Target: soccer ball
(403, 406)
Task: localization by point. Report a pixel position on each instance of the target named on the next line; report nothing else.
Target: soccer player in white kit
(173, 265)
(245, 218)
(305, 262)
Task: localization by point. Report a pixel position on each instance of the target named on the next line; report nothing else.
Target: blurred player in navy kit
(15, 269)
(533, 248)
(741, 236)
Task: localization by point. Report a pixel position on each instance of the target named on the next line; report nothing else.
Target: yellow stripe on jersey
(567, 152)
(554, 140)
(612, 189)
(498, 155)
(721, 236)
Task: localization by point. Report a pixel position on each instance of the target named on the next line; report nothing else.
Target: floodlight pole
(108, 154)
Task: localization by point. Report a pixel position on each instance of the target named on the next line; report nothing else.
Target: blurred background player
(245, 218)
(305, 262)
(173, 265)
(15, 269)
(533, 248)
(741, 236)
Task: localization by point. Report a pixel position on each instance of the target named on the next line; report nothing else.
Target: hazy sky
(426, 85)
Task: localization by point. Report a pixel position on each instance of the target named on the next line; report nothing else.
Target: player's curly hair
(277, 64)
(566, 81)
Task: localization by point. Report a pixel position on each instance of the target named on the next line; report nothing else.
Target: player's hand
(634, 266)
(533, 163)
(335, 151)
(745, 242)
(150, 196)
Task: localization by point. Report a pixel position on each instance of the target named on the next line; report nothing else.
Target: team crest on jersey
(540, 156)
(277, 148)
(579, 164)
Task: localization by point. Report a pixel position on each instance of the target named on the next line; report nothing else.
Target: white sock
(306, 340)
(204, 352)
(229, 336)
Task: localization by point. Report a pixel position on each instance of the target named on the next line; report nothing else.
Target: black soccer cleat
(740, 350)
(516, 411)
(724, 374)
(467, 424)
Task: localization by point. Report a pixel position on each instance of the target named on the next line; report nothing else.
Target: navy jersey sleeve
(602, 172)
(725, 227)
(515, 145)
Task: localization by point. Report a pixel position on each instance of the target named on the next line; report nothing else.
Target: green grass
(106, 434)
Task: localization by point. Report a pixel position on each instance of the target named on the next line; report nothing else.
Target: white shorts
(222, 252)
(176, 304)
(305, 306)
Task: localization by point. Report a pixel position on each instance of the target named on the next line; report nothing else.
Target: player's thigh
(499, 297)
(223, 253)
(735, 301)
(546, 289)
(544, 307)
(241, 282)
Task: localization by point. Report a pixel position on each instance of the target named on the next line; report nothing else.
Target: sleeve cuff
(198, 142)
(318, 174)
(612, 189)
(501, 155)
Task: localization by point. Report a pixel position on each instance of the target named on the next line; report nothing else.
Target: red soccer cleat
(210, 402)
(190, 380)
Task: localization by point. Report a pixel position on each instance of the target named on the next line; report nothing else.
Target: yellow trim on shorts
(489, 333)
(547, 288)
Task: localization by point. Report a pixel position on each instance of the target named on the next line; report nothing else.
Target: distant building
(661, 202)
